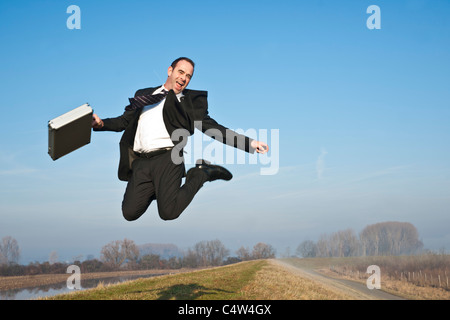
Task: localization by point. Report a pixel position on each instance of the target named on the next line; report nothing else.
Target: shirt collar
(160, 89)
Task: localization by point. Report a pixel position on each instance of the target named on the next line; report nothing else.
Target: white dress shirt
(151, 133)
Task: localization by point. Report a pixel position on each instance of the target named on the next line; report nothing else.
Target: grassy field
(252, 280)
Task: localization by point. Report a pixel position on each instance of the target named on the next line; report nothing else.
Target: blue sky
(362, 117)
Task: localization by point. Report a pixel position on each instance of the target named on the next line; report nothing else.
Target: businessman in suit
(156, 125)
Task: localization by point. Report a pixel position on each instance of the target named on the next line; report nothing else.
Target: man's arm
(120, 123)
(112, 124)
(216, 131)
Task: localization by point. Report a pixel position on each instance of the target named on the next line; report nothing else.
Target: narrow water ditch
(58, 288)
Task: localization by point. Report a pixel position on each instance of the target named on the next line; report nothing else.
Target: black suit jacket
(187, 114)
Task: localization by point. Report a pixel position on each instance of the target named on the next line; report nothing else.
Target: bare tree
(370, 240)
(323, 246)
(9, 251)
(210, 253)
(307, 249)
(390, 238)
(53, 257)
(117, 252)
(263, 251)
(200, 252)
(190, 259)
(344, 243)
(131, 250)
(243, 254)
(217, 252)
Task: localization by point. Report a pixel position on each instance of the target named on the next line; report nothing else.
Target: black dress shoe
(214, 172)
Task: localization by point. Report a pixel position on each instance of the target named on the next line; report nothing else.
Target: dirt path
(355, 290)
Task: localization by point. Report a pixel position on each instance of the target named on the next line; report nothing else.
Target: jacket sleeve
(210, 127)
(117, 124)
(227, 136)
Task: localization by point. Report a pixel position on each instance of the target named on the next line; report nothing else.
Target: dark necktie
(142, 101)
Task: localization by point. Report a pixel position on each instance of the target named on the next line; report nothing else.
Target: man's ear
(169, 71)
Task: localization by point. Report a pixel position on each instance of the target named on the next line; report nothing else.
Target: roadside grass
(252, 280)
(274, 282)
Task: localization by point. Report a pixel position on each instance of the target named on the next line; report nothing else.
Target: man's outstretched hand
(260, 147)
(97, 123)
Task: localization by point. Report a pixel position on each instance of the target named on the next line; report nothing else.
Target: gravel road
(354, 290)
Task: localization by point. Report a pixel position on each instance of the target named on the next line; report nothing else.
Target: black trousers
(158, 178)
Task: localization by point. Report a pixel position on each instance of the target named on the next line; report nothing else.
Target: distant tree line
(385, 238)
(126, 255)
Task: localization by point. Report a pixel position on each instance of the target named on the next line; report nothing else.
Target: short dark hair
(175, 62)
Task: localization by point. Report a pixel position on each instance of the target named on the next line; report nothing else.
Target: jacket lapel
(175, 114)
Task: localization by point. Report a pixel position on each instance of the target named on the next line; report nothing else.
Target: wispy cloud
(320, 163)
(12, 165)
(391, 171)
(18, 171)
(346, 184)
(158, 76)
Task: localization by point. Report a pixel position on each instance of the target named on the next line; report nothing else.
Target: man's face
(180, 76)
